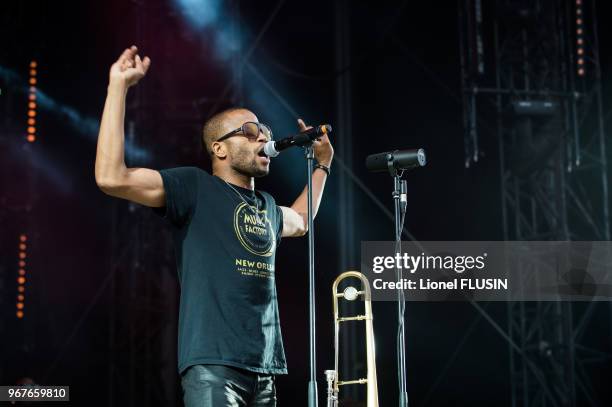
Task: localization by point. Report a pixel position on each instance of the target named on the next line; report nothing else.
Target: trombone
(333, 376)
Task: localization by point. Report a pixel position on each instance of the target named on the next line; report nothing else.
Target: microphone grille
(269, 149)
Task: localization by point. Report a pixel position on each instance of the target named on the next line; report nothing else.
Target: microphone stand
(305, 140)
(399, 198)
(312, 384)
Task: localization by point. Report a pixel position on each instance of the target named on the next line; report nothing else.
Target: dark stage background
(101, 297)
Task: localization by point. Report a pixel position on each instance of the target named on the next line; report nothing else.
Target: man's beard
(245, 163)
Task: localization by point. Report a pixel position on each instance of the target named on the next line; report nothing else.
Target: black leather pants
(224, 386)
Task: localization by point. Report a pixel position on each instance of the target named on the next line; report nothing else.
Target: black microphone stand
(399, 198)
(305, 139)
(312, 384)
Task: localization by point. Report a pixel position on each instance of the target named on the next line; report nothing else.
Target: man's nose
(262, 137)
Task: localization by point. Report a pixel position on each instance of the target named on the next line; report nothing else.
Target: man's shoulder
(189, 171)
(189, 177)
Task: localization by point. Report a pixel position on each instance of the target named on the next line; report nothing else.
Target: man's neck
(235, 178)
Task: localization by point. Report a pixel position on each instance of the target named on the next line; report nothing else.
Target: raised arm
(295, 218)
(141, 185)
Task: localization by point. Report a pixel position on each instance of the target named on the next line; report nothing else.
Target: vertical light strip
(21, 277)
(31, 137)
(579, 38)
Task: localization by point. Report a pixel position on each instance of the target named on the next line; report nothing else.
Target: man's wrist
(117, 86)
(322, 167)
(326, 163)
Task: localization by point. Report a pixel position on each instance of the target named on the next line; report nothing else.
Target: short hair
(213, 128)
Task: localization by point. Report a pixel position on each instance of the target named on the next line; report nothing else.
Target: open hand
(129, 68)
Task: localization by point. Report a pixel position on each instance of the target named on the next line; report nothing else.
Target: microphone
(397, 159)
(273, 148)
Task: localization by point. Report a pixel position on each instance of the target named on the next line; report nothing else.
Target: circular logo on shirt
(254, 232)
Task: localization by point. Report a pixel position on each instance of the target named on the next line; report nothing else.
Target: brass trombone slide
(333, 376)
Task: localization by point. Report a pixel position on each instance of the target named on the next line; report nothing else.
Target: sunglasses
(251, 131)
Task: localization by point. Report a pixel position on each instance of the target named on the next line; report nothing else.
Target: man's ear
(219, 150)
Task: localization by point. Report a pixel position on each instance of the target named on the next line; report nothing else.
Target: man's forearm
(110, 156)
(301, 203)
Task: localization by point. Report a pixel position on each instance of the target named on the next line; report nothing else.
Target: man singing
(226, 234)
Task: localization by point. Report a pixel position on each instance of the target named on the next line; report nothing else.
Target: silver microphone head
(269, 149)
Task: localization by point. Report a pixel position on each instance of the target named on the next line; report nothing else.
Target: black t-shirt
(225, 259)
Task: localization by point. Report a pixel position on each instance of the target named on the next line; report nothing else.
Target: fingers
(129, 58)
(124, 56)
(138, 63)
(302, 125)
(128, 54)
(142, 65)
(146, 63)
(321, 140)
(128, 64)
(324, 138)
